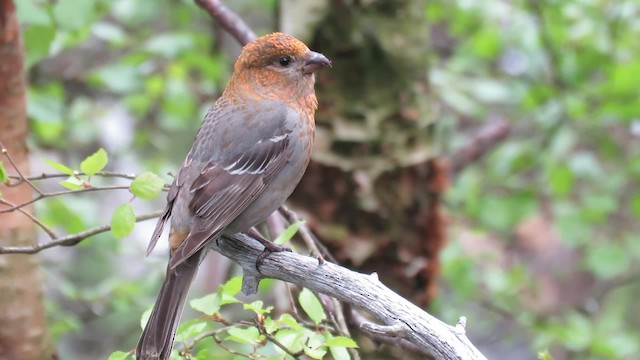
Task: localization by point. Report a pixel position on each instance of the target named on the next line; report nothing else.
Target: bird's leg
(269, 247)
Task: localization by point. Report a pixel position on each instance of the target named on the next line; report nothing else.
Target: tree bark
(400, 319)
(23, 330)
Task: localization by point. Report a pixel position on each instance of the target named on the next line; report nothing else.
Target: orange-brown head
(277, 67)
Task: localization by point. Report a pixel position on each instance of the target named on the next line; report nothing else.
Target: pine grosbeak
(249, 154)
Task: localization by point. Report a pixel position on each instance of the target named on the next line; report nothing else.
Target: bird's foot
(269, 248)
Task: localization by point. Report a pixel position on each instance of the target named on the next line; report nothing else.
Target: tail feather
(156, 340)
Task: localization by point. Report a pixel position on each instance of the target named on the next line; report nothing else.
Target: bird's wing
(227, 186)
(178, 182)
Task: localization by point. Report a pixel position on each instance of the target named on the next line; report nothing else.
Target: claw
(269, 248)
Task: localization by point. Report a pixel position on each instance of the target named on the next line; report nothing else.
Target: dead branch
(399, 317)
(480, 143)
(228, 20)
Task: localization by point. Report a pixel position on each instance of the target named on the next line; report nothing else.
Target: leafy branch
(145, 186)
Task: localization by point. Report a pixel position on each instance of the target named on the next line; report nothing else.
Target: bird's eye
(284, 61)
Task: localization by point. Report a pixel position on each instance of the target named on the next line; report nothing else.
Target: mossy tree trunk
(373, 190)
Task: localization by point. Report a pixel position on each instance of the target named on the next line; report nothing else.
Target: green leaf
(169, 45)
(190, 329)
(291, 339)
(45, 108)
(288, 233)
(119, 355)
(315, 353)
(486, 43)
(544, 355)
(119, 78)
(227, 299)
(341, 341)
(248, 335)
(577, 332)
(314, 345)
(205, 354)
(3, 173)
(290, 321)
(257, 307)
(624, 77)
(145, 317)
(311, 306)
(146, 186)
(95, 162)
(607, 260)
(72, 183)
(108, 32)
(232, 287)
(561, 180)
(635, 204)
(209, 304)
(123, 221)
(66, 13)
(339, 353)
(270, 325)
(32, 13)
(60, 167)
(57, 212)
(37, 41)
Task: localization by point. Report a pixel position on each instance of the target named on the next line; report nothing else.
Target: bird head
(277, 64)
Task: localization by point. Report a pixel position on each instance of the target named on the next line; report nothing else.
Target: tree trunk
(374, 188)
(375, 179)
(23, 330)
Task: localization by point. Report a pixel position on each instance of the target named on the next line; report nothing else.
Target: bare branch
(228, 20)
(45, 228)
(45, 176)
(70, 240)
(60, 193)
(483, 141)
(356, 319)
(427, 333)
(310, 240)
(13, 164)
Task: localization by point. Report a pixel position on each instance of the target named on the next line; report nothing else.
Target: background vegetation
(543, 245)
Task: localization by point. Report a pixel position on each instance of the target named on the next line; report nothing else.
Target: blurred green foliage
(137, 74)
(566, 74)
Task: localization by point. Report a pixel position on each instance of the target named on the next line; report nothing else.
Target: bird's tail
(156, 340)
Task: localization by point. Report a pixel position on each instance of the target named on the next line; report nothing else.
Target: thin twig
(300, 319)
(481, 142)
(70, 240)
(314, 245)
(206, 334)
(310, 240)
(228, 20)
(220, 343)
(292, 303)
(276, 342)
(342, 325)
(63, 192)
(45, 176)
(44, 227)
(6, 154)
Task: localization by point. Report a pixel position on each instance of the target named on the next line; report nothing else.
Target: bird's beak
(314, 61)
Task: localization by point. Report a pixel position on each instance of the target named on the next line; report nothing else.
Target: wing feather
(171, 197)
(225, 188)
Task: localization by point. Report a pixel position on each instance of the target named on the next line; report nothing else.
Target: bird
(250, 152)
